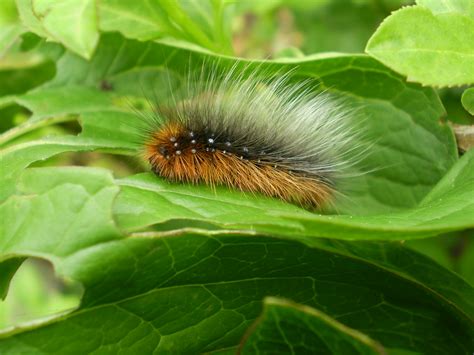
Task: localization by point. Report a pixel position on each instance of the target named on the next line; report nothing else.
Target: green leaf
(411, 150)
(50, 106)
(68, 213)
(197, 292)
(468, 100)
(464, 7)
(9, 33)
(430, 47)
(141, 20)
(426, 148)
(175, 268)
(286, 327)
(46, 103)
(29, 19)
(145, 200)
(8, 13)
(57, 217)
(73, 23)
(16, 158)
(76, 23)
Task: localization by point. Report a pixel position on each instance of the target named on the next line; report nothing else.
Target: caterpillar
(266, 136)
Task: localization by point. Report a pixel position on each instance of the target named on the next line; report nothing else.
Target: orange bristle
(178, 154)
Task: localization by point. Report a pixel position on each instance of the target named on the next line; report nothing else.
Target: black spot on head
(163, 151)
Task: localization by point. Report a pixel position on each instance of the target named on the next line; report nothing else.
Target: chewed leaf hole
(35, 293)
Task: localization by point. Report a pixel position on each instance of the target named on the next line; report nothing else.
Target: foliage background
(138, 264)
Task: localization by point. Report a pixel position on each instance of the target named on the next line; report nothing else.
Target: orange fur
(221, 168)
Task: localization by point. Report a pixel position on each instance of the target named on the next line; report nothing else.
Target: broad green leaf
(411, 150)
(468, 100)
(16, 158)
(46, 103)
(29, 19)
(50, 106)
(107, 126)
(142, 20)
(433, 48)
(169, 267)
(77, 212)
(191, 293)
(145, 200)
(72, 214)
(73, 23)
(286, 327)
(199, 22)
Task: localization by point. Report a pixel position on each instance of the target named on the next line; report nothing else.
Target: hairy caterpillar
(267, 136)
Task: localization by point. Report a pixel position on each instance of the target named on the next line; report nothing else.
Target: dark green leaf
(285, 327)
(456, 113)
(18, 80)
(191, 293)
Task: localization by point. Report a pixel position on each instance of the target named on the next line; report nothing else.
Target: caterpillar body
(271, 137)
